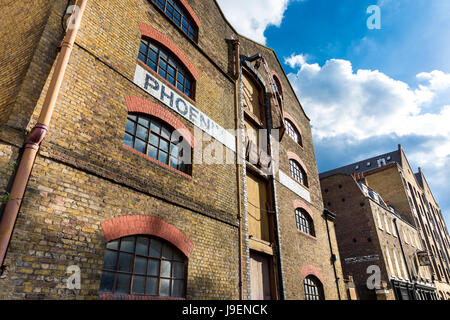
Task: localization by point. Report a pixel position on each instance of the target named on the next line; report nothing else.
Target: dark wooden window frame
(164, 138)
(179, 16)
(166, 65)
(180, 259)
(298, 173)
(313, 288)
(293, 132)
(304, 222)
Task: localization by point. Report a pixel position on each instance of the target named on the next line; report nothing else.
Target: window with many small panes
(313, 289)
(298, 173)
(293, 132)
(145, 266)
(304, 222)
(179, 16)
(157, 140)
(160, 60)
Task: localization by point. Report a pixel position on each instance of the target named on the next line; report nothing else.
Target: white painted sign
(177, 103)
(294, 186)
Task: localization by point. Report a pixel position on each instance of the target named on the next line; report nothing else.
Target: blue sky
(365, 90)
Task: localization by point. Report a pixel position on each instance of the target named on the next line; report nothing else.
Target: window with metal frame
(145, 266)
(179, 16)
(304, 222)
(155, 139)
(293, 132)
(298, 173)
(159, 59)
(313, 289)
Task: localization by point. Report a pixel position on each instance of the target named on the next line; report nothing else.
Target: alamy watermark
(374, 20)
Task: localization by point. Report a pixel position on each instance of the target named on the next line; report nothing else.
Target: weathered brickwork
(84, 177)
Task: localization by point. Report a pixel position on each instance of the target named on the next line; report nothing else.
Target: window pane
(138, 285)
(163, 157)
(142, 58)
(114, 245)
(140, 145)
(165, 133)
(142, 133)
(123, 283)
(143, 47)
(177, 288)
(155, 248)
(152, 152)
(151, 64)
(153, 267)
(162, 64)
(154, 140)
(128, 140)
(152, 286)
(140, 265)
(164, 145)
(144, 122)
(156, 127)
(153, 56)
(107, 282)
(177, 270)
(174, 162)
(131, 127)
(165, 288)
(174, 151)
(132, 117)
(125, 262)
(127, 244)
(142, 246)
(167, 252)
(110, 260)
(162, 73)
(165, 269)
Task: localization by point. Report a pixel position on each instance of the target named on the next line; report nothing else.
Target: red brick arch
(278, 80)
(154, 34)
(136, 104)
(311, 270)
(293, 156)
(144, 225)
(189, 9)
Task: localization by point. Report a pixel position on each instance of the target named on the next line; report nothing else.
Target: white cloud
(251, 17)
(351, 108)
(296, 60)
(368, 103)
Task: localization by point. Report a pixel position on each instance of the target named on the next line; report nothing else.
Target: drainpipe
(236, 45)
(328, 215)
(38, 133)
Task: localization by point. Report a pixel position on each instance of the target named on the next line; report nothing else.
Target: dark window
(157, 140)
(293, 132)
(143, 265)
(313, 289)
(167, 66)
(304, 222)
(298, 173)
(179, 16)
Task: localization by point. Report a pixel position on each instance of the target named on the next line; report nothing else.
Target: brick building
(398, 221)
(126, 188)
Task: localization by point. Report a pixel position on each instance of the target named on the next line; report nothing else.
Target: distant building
(387, 216)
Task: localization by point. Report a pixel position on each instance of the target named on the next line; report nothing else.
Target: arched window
(145, 266)
(159, 59)
(157, 140)
(178, 15)
(304, 222)
(298, 173)
(293, 132)
(313, 288)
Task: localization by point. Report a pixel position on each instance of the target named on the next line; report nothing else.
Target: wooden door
(260, 276)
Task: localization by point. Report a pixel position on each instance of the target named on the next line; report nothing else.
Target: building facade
(402, 220)
(130, 190)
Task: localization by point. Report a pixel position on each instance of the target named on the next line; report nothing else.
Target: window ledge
(307, 235)
(146, 67)
(157, 162)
